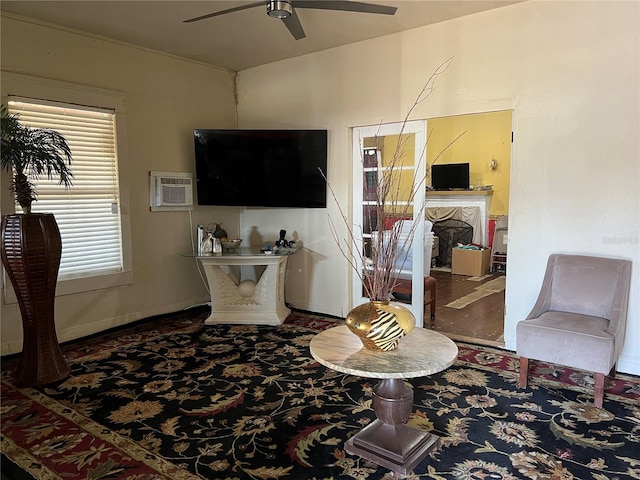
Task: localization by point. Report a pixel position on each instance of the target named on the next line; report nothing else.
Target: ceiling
(241, 39)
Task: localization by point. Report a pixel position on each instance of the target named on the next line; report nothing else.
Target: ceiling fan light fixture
(279, 8)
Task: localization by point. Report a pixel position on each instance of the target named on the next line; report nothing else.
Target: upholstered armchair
(579, 318)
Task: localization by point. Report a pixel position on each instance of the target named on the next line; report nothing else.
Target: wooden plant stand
(31, 251)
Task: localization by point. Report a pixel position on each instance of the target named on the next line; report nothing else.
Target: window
(87, 213)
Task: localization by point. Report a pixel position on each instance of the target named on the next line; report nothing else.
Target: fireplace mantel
(464, 198)
(459, 193)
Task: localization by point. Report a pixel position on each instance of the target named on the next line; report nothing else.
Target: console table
(246, 302)
(388, 441)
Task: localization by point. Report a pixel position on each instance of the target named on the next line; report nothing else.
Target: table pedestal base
(388, 441)
(396, 447)
(248, 302)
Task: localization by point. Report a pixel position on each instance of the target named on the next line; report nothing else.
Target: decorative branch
(379, 272)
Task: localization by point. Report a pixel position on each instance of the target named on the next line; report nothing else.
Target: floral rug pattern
(171, 398)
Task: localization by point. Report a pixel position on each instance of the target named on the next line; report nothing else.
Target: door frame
(417, 128)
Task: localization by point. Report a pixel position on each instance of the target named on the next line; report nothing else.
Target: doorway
(472, 308)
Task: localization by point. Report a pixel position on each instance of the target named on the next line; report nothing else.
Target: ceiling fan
(285, 11)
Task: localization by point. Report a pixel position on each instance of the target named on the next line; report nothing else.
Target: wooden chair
(402, 292)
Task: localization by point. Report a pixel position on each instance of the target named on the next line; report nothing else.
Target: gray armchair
(579, 318)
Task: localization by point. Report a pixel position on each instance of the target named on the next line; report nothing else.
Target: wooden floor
(481, 316)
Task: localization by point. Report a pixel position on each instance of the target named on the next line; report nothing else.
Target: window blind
(87, 213)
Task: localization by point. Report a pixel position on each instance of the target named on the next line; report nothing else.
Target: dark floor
(482, 319)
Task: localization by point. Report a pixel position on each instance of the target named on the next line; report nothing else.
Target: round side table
(387, 441)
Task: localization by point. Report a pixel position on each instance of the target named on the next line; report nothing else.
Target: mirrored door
(389, 172)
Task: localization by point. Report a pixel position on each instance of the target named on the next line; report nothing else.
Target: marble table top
(423, 352)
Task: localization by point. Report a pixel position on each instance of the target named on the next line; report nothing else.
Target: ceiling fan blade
(292, 22)
(345, 6)
(222, 12)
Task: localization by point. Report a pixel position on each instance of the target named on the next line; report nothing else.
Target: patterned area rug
(171, 398)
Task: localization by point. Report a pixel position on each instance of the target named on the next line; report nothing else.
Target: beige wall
(570, 73)
(165, 99)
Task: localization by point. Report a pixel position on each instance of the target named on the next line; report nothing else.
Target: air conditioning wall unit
(170, 191)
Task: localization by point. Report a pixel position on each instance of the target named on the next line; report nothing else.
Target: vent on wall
(170, 191)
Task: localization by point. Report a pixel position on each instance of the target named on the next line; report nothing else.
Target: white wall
(569, 71)
(166, 98)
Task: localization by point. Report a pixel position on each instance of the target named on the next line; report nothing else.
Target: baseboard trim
(76, 332)
(315, 308)
(84, 330)
(628, 364)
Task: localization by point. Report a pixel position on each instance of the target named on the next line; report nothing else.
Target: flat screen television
(261, 168)
(450, 176)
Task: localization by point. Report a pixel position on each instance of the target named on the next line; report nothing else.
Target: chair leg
(430, 285)
(524, 372)
(598, 395)
(432, 291)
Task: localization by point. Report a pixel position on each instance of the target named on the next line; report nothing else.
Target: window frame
(14, 84)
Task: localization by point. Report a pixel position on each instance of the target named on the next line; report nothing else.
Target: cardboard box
(470, 262)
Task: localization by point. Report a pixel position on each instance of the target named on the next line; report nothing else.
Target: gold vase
(380, 325)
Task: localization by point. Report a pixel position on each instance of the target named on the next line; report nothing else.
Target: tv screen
(261, 168)
(451, 176)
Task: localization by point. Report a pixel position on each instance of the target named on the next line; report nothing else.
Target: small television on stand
(450, 176)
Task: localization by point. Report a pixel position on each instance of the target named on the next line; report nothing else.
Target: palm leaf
(30, 153)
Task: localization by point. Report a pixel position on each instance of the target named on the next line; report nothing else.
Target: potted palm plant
(31, 246)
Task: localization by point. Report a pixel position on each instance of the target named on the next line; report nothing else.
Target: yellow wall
(487, 137)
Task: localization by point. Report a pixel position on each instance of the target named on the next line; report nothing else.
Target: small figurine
(282, 242)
